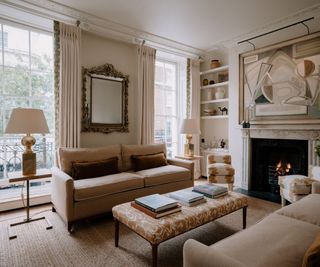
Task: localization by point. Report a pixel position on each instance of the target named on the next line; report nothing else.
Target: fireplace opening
(272, 158)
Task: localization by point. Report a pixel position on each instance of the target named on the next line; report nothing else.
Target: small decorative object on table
(215, 63)
(222, 143)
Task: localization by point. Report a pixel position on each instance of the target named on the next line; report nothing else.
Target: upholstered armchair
(219, 169)
(294, 187)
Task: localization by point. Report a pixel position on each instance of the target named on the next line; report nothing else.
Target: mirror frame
(108, 71)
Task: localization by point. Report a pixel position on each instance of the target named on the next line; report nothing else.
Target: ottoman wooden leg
(154, 255)
(116, 232)
(244, 217)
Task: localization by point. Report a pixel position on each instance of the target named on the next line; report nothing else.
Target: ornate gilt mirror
(104, 100)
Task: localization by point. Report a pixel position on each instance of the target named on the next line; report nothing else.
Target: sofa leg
(53, 209)
(230, 187)
(283, 201)
(70, 227)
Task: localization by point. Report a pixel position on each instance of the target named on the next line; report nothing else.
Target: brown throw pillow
(143, 162)
(312, 256)
(91, 169)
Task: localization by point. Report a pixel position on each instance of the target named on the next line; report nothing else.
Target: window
(168, 104)
(26, 80)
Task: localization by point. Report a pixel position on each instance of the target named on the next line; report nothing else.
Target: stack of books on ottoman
(211, 190)
(156, 205)
(187, 197)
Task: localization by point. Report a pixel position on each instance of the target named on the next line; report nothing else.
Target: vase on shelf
(215, 63)
(220, 92)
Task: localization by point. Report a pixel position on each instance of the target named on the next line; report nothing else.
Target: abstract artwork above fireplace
(281, 83)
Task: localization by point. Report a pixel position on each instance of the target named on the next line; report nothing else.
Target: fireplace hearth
(271, 158)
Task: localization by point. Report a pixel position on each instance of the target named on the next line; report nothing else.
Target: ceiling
(200, 24)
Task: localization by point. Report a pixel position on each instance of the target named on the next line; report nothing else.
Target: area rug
(92, 243)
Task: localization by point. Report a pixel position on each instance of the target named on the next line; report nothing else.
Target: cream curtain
(145, 112)
(69, 89)
(195, 107)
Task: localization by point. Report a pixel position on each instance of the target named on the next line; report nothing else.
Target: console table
(19, 177)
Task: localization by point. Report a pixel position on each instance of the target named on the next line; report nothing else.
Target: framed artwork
(280, 84)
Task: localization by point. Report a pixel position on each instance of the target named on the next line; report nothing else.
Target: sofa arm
(188, 164)
(62, 194)
(196, 254)
(315, 188)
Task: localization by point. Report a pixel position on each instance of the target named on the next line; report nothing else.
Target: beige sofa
(280, 239)
(74, 200)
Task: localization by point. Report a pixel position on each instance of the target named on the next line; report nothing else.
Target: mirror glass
(104, 100)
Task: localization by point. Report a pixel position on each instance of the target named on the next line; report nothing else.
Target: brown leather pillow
(312, 256)
(91, 169)
(143, 162)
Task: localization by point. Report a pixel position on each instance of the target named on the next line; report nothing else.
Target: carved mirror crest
(104, 100)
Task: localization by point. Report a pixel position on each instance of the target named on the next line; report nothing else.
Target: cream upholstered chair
(294, 187)
(219, 169)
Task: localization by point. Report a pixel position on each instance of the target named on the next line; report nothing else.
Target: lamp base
(28, 163)
(189, 150)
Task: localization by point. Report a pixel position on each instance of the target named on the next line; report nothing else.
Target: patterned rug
(92, 244)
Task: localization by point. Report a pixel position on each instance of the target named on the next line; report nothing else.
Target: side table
(19, 177)
(196, 160)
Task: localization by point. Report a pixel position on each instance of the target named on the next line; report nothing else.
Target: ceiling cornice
(313, 11)
(102, 27)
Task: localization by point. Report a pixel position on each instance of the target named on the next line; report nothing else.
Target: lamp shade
(27, 121)
(190, 126)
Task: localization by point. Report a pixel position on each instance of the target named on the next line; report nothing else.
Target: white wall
(96, 51)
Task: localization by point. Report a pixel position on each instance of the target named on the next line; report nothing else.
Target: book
(156, 202)
(186, 196)
(211, 190)
(194, 203)
(155, 214)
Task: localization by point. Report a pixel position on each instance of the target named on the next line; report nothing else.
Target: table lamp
(27, 121)
(189, 127)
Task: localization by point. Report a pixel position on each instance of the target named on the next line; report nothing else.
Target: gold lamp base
(189, 150)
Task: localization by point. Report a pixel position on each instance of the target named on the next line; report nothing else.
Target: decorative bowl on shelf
(215, 63)
(209, 112)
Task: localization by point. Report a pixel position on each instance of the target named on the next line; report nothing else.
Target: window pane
(166, 101)
(17, 51)
(42, 84)
(16, 81)
(41, 51)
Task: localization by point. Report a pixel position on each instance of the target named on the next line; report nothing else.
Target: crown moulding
(99, 26)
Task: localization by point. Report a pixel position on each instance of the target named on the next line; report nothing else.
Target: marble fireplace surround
(311, 135)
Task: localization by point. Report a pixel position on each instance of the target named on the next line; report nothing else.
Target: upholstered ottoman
(294, 187)
(219, 169)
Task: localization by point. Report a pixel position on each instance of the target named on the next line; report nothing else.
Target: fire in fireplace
(272, 158)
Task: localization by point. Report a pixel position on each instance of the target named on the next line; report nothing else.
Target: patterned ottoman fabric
(220, 169)
(216, 158)
(159, 230)
(221, 179)
(296, 184)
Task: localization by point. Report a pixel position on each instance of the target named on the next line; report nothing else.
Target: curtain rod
(279, 29)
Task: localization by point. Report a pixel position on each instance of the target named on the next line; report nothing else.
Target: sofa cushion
(130, 150)
(143, 162)
(275, 241)
(306, 209)
(106, 185)
(164, 175)
(69, 155)
(89, 169)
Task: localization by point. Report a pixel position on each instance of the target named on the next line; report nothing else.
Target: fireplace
(271, 158)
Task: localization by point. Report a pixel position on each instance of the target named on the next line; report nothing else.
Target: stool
(219, 169)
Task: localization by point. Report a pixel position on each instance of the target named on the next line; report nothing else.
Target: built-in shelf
(215, 70)
(215, 101)
(215, 117)
(215, 85)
